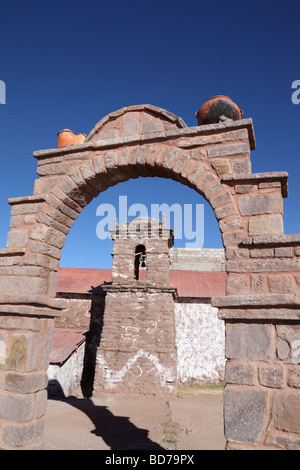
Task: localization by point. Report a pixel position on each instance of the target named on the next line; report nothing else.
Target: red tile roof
(64, 343)
(188, 283)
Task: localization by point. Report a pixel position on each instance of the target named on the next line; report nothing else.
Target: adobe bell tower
(137, 351)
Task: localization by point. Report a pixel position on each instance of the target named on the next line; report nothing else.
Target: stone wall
(137, 352)
(263, 378)
(197, 259)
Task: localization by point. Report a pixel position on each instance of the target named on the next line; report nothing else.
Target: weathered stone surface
(255, 205)
(239, 373)
(266, 225)
(16, 238)
(17, 407)
(221, 166)
(288, 344)
(18, 435)
(283, 252)
(271, 376)
(248, 341)
(23, 354)
(293, 379)
(283, 441)
(280, 284)
(286, 411)
(245, 414)
(25, 383)
(241, 167)
(232, 149)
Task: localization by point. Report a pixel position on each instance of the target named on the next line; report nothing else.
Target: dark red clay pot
(217, 106)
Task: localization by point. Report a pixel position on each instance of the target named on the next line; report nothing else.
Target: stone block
(110, 159)
(130, 126)
(18, 435)
(293, 378)
(261, 253)
(239, 373)
(258, 284)
(221, 166)
(231, 149)
(23, 355)
(280, 284)
(147, 127)
(271, 376)
(286, 411)
(16, 238)
(236, 286)
(283, 252)
(23, 285)
(252, 341)
(25, 383)
(283, 441)
(245, 414)
(257, 204)
(17, 407)
(241, 167)
(243, 188)
(266, 225)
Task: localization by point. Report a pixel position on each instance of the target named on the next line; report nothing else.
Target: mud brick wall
(137, 352)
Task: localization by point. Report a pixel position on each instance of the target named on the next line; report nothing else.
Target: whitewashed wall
(68, 376)
(200, 338)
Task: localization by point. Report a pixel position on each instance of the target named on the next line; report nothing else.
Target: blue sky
(67, 64)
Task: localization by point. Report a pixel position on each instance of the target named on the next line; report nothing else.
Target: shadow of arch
(118, 432)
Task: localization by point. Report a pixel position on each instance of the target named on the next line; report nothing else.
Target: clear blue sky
(67, 64)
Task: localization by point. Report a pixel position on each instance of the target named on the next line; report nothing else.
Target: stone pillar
(262, 396)
(25, 344)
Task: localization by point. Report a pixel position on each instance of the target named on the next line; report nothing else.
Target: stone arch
(261, 306)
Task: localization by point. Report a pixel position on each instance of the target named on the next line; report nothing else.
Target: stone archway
(261, 308)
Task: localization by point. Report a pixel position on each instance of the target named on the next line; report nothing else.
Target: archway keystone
(261, 308)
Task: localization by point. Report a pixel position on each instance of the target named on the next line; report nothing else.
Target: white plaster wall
(200, 340)
(69, 374)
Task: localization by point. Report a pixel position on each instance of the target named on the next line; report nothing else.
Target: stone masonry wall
(137, 352)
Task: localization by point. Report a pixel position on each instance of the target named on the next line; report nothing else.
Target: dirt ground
(190, 421)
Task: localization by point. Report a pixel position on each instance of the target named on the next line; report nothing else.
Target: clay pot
(79, 139)
(65, 138)
(217, 106)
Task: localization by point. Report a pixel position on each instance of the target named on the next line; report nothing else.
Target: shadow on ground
(117, 432)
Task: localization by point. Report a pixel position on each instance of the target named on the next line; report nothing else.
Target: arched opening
(173, 192)
(140, 262)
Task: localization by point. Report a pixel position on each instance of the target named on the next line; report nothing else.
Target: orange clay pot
(217, 106)
(79, 139)
(65, 138)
